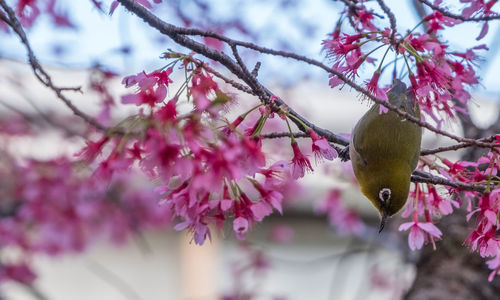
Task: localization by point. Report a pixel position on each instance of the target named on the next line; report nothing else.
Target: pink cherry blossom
(150, 96)
(372, 86)
(300, 163)
(92, 150)
(419, 231)
(240, 227)
(321, 147)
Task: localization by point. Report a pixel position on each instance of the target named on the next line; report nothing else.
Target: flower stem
(383, 58)
(260, 126)
(298, 120)
(292, 138)
(252, 109)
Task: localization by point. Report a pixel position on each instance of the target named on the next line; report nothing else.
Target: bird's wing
(358, 135)
(355, 155)
(397, 94)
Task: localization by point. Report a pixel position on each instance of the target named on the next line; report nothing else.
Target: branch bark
(238, 68)
(178, 35)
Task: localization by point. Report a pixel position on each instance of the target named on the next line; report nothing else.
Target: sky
(100, 37)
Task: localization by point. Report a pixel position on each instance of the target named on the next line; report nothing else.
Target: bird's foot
(344, 154)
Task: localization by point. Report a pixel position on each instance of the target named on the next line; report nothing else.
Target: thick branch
(418, 175)
(337, 139)
(177, 34)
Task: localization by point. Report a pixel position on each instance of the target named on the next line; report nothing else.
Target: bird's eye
(385, 195)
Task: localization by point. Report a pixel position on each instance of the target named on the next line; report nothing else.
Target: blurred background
(300, 255)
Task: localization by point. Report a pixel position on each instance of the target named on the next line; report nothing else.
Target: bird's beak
(382, 221)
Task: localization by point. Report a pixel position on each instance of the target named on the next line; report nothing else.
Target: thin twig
(39, 71)
(38, 119)
(277, 135)
(353, 8)
(231, 82)
(459, 17)
(392, 20)
(24, 115)
(456, 146)
(74, 89)
(51, 121)
(249, 78)
(423, 177)
(255, 71)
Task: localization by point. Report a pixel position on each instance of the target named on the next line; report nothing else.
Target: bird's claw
(344, 154)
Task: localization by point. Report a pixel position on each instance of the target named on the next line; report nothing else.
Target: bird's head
(388, 194)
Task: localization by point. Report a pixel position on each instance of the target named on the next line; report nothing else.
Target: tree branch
(424, 177)
(459, 17)
(456, 146)
(392, 20)
(239, 69)
(177, 34)
(418, 175)
(233, 83)
(337, 139)
(38, 70)
(278, 135)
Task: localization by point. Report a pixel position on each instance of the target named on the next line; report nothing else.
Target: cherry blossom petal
(415, 238)
(430, 228)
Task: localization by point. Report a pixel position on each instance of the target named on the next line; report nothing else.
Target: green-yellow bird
(384, 151)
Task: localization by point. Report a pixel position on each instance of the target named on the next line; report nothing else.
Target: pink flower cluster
(437, 75)
(484, 237)
(486, 207)
(48, 208)
(428, 204)
(207, 172)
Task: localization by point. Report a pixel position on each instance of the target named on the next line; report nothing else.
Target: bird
(384, 151)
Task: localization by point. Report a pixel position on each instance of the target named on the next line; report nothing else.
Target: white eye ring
(382, 193)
